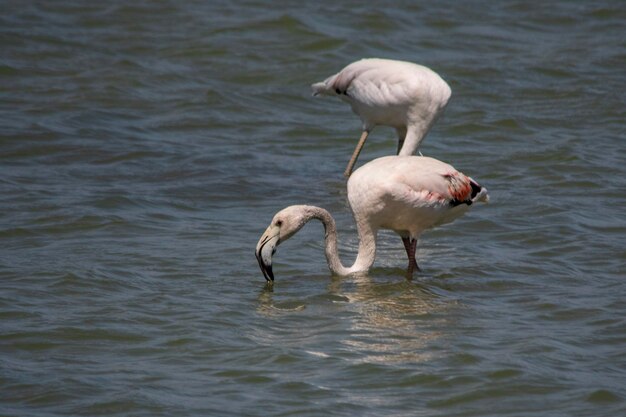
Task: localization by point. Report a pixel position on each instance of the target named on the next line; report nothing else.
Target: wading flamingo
(403, 95)
(406, 194)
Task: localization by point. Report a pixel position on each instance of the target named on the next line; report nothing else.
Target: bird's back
(388, 92)
(411, 193)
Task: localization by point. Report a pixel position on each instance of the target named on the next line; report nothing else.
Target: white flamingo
(403, 95)
(406, 194)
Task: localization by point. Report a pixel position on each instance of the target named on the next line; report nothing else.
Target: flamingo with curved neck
(406, 194)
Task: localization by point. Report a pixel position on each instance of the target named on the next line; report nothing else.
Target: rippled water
(144, 147)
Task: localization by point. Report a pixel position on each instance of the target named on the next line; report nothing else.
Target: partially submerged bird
(406, 194)
(406, 96)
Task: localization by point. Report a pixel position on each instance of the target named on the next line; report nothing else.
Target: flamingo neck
(367, 244)
(413, 137)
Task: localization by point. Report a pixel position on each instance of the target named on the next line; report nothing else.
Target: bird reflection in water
(395, 322)
(268, 307)
(372, 321)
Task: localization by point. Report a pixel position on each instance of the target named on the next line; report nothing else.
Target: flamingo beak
(265, 249)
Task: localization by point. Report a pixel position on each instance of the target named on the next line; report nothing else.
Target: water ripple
(146, 146)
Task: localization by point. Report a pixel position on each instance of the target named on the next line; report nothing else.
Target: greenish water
(145, 146)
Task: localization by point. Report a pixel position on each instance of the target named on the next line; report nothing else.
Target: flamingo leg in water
(410, 245)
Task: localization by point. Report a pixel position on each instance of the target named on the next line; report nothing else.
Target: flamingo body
(406, 194)
(410, 194)
(406, 96)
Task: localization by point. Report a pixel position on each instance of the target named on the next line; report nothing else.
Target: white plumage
(403, 95)
(406, 194)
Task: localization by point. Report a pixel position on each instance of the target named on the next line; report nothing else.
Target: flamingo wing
(419, 193)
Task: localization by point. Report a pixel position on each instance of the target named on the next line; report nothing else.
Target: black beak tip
(267, 270)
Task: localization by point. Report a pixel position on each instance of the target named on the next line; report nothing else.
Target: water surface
(145, 146)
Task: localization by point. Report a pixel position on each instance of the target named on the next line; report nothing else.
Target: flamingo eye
(279, 223)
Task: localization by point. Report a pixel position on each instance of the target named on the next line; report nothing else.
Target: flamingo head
(324, 88)
(284, 225)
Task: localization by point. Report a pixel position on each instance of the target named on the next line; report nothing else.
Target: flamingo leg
(410, 245)
(355, 154)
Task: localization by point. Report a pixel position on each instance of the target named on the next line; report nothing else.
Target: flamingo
(406, 96)
(406, 194)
